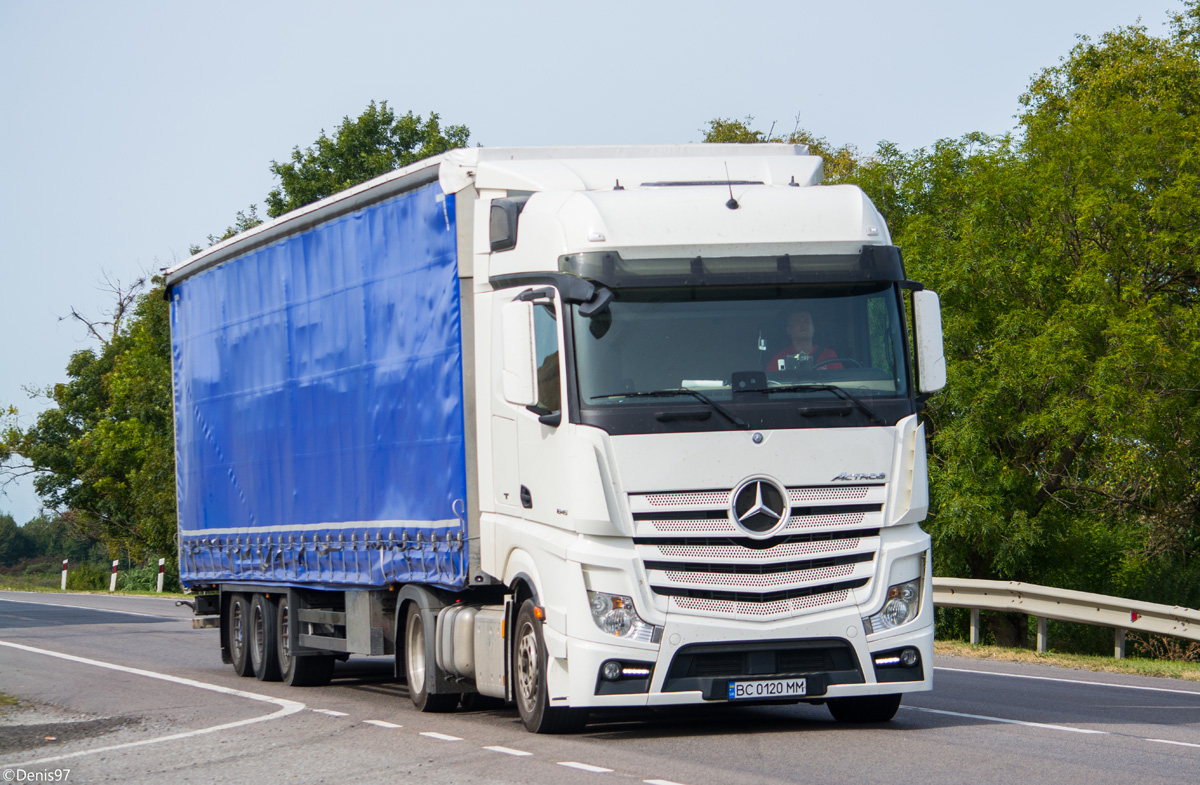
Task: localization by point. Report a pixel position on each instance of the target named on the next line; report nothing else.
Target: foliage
(145, 578)
(246, 220)
(1065, 449)
(14, 545)
(1067, 443)
(103, 451)
(840, 162)
(374, 143)
(88, 577)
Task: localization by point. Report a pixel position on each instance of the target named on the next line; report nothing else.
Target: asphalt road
(125, 691)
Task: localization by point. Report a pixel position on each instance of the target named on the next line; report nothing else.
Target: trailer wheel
(264, 655)
(416, 665)
(239, 634)
(313, 670)
(529, 680)
(865, 708)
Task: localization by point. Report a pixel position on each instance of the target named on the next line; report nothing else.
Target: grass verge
(20, 586)
(1188, 671)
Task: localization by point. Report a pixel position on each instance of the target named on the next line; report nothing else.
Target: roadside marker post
(112, 582)
(161, 562)
(64, 578)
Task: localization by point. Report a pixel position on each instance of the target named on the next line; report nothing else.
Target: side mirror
(518, 374)
(931, 358)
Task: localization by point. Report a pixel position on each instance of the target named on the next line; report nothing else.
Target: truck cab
(699, 509)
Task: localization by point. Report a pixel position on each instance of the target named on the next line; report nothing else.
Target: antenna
(732, 204)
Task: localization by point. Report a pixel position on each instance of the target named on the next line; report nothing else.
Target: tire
(868, 708)
(529, 681)
(311, 670)
(416, 665)
(239, 634)
(264, 652)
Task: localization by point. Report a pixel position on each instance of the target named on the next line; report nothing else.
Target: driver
(803, 352)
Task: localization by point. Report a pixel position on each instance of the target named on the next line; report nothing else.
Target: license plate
(774, 688)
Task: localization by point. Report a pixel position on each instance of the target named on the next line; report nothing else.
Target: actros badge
(844, 477)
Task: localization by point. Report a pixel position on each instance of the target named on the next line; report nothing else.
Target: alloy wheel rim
(527, 667)
(416, 654)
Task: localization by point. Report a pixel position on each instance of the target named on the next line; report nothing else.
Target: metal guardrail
(1045, 602)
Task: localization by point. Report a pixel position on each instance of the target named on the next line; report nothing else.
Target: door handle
(526, 498)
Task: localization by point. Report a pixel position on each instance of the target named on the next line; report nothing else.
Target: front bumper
(699, 657)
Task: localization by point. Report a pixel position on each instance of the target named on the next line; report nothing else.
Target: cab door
(532, 479)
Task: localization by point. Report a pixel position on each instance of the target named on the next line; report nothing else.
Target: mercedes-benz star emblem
(759, 506)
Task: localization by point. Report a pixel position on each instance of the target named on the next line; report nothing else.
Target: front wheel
(865, 708)
(416, 665)
(529, 678)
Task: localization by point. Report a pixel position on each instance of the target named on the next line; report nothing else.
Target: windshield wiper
(833, 388)
(733, 418)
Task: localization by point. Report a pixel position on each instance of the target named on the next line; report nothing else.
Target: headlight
(615, 615)
(901, 606)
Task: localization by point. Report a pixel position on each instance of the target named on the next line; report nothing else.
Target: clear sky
(131, 130)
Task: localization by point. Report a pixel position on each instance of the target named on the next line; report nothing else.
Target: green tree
(1067, 444)
(103, 452)
(841, 162)
(1066, 447)
(14, 544)
(374, 143)
(51, 535)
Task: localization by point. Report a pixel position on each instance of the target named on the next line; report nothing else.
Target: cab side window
(545, 347)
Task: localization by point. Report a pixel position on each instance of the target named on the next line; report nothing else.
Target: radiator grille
(703, 563)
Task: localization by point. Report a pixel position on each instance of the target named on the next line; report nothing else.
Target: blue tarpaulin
(318, 405)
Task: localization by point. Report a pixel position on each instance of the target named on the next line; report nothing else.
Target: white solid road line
(382, 724)
(583, 766)
(286, 707)
(509, 751)
(1042, 725)
(1178, 743)
(89, 608)
(1194, 693)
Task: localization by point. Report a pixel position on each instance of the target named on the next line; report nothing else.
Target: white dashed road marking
(508, 751)
(583, 766)
(382, 724)
(442, 736)
(331, 712)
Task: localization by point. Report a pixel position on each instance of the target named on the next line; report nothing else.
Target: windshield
(746, 350)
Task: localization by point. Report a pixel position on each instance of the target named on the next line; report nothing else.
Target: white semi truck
(575, 428)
